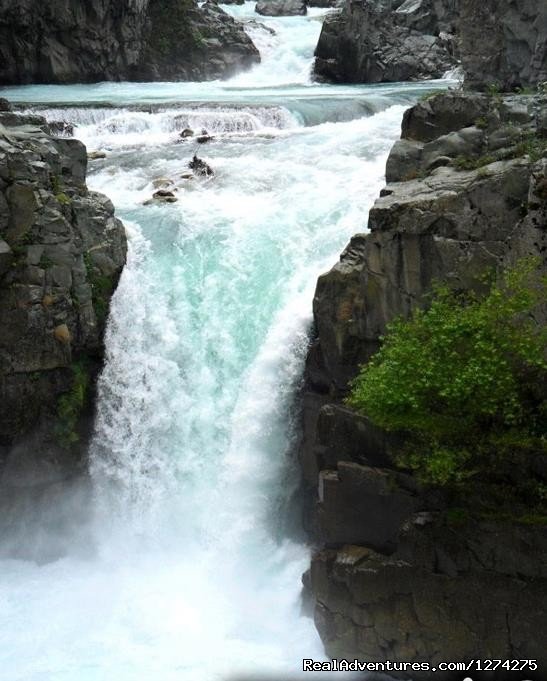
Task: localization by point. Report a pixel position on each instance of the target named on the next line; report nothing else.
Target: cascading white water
(187, 572)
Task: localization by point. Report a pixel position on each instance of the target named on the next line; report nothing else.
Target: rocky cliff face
(500, 43)
(369, 41)
(504, 43)
(403, 576)
(80, 41)
(61, 254)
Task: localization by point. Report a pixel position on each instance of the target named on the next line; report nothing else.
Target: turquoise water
(187, 573)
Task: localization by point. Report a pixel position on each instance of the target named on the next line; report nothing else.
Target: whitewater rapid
(183, 567)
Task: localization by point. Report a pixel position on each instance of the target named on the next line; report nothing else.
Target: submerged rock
(162, 182)
(281, 8)
(96, 155)
(165, 196)
(252, 23)
(200, 167)
(61, 128)
(186, 133)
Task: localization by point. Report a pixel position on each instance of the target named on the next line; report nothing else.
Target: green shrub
(102, 288)
(465, 380)
(473, 162)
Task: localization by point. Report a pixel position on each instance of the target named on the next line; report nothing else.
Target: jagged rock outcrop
(61, 253)
(394, 40)
(281, 8)
(503, 43)
(81, 41)
(403, 576)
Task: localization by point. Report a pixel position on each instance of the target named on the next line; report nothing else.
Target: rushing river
(183, 568)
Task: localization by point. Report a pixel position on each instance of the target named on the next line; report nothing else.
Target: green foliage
(529, 145)
(102, 287)
(56, 184)
(481, 123)
(430, 94)
(494, 91)
(465, 380)
(473, 163)
(63, 199)
(45, 262)
(71, 404)
(532, 146)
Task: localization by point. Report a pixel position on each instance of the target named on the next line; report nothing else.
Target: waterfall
(183, 569)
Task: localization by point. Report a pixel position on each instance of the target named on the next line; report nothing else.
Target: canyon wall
(501, 43)
(72, 41)
(61, 253)
(403, 572)
(368, 41)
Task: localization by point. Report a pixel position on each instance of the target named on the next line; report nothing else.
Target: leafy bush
(465, 380)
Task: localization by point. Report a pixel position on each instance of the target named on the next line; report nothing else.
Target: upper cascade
(92, 41)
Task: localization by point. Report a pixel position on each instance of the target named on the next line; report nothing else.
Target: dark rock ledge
(401, 575)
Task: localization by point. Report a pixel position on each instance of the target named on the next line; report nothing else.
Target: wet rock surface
(200, 167)
(401, 577)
